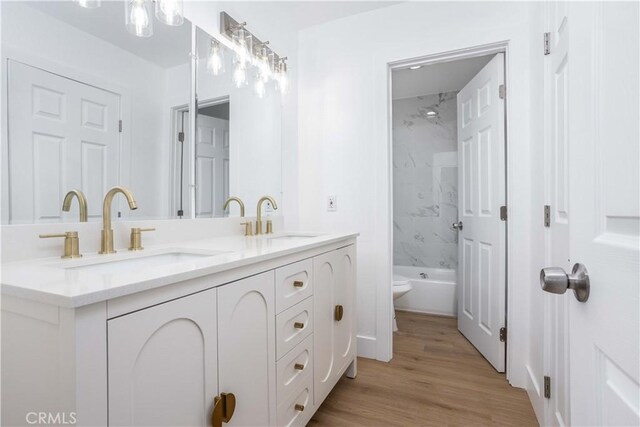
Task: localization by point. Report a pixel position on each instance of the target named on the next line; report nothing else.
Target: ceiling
(168, 47)
(443, 77)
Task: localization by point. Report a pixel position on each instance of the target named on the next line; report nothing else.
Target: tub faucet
(424, 275)
(106, 241)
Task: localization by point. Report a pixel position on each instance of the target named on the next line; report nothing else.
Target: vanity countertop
(87, 280)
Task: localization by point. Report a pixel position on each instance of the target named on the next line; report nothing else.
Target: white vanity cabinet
(267, 332)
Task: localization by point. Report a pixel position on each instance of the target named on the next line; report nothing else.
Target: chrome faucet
(234, 199)
(82, 203)
(106, 241)
(259, 216)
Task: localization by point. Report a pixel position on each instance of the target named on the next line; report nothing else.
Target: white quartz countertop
(79, 282)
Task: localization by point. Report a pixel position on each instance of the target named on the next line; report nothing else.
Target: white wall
(37, 39)
(344, 149)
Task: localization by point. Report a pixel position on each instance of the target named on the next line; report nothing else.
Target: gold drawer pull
(299, 407)
(298, 283)
(223, 408)
(298, 325)
(299, 366)
(338, 313)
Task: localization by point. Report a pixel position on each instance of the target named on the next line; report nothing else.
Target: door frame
(176, 124)
(450, 56)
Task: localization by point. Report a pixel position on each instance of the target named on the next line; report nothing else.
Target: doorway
(449, 194)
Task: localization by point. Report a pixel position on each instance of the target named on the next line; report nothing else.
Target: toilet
(401, 285)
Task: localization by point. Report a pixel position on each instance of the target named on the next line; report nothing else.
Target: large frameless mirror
(89, 104)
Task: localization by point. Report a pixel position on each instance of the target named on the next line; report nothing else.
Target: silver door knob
(556, 281)
(457, 225)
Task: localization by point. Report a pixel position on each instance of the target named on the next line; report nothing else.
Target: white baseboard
(366, 346)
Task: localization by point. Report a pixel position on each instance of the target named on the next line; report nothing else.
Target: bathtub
(436, 294)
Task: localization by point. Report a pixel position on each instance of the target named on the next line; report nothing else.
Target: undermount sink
(293, 236)
(143, 262)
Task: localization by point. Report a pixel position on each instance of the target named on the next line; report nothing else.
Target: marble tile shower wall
(425, 181)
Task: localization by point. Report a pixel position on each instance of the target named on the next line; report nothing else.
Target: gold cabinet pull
(298, 283)
(223, 408)
(298, 366)
(298, 325)
(299, 407)
(338, 313)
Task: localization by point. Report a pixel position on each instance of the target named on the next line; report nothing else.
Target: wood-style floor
(436, 377)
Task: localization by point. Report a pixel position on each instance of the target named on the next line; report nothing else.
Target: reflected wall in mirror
(237, 143)
(88, 106)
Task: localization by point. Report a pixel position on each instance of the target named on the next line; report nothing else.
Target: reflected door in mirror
(212, 166)
(63, 134)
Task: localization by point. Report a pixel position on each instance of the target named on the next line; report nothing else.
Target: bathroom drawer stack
(294, 349)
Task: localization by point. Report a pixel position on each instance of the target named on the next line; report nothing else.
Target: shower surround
(425, 181)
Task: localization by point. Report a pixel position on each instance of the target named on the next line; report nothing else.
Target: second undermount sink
(293, 236)
(143, 262)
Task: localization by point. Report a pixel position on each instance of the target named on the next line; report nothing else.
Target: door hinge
(547, 387)
(502, 90)
(181, 136)
(119, 125)
(547, 43)
(503, 334)
(503, 213)
(547, 216)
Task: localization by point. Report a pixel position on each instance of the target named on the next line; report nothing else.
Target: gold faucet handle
(269, 227)
(136, 238)
(71, 243)
(248, 228)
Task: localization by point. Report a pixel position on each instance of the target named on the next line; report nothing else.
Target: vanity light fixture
(415, 67)
(251, 51)
(239, 74)
(282, 79)
(170, 12)
(215, 61)
(138, 17)
(89, 4)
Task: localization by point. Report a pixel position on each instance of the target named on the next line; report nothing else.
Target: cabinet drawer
(293, 325)
(293, 369)
(293, 284)
(296, 409)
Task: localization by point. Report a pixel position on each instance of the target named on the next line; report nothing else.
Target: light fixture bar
(228, 25)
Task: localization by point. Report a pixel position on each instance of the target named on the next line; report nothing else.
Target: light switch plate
(332, 204)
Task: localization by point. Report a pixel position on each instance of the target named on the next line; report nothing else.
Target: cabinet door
(334, 283)
(246, 348)
(163, 363)
(344, 295)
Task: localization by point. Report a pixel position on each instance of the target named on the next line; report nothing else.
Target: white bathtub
(435, 294)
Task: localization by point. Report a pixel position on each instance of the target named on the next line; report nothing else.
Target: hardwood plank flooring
(436, 377)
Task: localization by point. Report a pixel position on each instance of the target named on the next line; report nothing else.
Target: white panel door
(605, 212)
(163, 364)
(212, 166)
(556, 319)
(63, 134)
(246, 348)
(482, 240)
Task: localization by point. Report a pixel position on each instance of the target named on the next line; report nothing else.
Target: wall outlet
(268, 208)
(332, 204)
